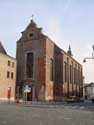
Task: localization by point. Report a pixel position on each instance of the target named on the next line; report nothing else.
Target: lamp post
(92, 57)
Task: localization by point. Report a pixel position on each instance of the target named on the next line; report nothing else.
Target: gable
(32, 32)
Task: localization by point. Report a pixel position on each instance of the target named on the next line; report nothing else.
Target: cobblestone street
(37, 114)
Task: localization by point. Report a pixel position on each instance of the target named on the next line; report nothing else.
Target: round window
(31, 35)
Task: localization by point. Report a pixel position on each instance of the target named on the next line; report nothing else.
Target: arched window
(51, 69)
(29, 65)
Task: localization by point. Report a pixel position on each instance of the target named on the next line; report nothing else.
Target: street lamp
(92, 57)
(93, 47)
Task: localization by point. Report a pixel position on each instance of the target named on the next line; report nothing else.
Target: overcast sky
(64, 21)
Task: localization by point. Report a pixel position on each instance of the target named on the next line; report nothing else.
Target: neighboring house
(50, 72)
(7, 75)
(89, 90)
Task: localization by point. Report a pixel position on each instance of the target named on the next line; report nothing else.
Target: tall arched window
(51, 69)
(29, 65)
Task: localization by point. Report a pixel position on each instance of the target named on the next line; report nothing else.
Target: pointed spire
(69, 51)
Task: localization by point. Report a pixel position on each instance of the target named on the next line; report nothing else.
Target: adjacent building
(49, 72)
(89, 90)
(7, 75)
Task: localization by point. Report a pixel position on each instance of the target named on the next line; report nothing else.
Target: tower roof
(2, 50)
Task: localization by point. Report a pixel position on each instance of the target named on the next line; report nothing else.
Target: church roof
(90, 84)
(2, 50)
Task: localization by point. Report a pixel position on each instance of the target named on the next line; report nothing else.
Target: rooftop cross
(32, 16)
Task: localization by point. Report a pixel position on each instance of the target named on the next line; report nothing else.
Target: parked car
(79, 99)
(71, 99)
(92, 99)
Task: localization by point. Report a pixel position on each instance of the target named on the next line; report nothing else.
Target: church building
(50, 73)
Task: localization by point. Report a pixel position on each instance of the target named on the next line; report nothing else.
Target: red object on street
(9, 93)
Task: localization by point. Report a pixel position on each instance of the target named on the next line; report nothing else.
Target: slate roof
(2, 50)
(90, 84)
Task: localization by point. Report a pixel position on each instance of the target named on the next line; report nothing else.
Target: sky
(64, 21)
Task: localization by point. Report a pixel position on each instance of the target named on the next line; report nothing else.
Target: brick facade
(56, 75)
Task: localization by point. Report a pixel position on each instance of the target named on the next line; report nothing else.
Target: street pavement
(46, 114)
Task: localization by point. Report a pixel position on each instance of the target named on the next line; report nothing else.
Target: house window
(12, 64)
(75, 74)
(51, 69)
(8, 74)
(29, 65)
(8, 63)
(65, 71)
(12, 75)
(70, 74)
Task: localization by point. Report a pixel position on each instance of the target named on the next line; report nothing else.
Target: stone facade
(7, 76)
(56, 75)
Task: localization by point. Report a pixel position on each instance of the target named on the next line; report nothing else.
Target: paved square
(27, 114)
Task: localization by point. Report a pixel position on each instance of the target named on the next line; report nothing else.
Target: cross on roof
(32, 16)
